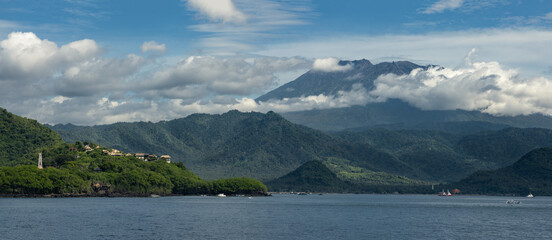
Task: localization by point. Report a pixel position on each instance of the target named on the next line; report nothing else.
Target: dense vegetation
(261, 146)
(71, 171)
(266, 146)
(312, 176)
(20, 137)
(448, 156)
(315, 176)
(531, 174)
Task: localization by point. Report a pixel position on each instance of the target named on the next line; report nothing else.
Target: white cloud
(98, 75)
(482, 86)
(329, 65)
(442, 5)
(152, 46)
(75, 83)
(218, 10)
(264, 17)
(220, 76)
(25, 56)
(59, 99)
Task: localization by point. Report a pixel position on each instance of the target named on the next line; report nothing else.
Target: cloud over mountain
(77, 83)
(329, 65)
(483, 86)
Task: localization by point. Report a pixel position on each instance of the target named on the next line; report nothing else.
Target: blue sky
(120, 25)
(99, 61)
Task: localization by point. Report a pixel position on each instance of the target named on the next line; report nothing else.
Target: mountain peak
(330, 83)
(356, 63)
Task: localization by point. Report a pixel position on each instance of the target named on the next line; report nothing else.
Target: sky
(90, 62)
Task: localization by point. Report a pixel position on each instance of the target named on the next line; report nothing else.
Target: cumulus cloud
(481, 86)
(329, 65)
(75, 83)
(152, 46)
(220, 76)
(442, 5)
(218, 10)
(25, 56)
(97, 75)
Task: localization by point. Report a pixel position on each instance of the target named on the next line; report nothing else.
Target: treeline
(69, 171)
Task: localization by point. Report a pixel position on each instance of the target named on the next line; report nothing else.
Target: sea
(281, 216)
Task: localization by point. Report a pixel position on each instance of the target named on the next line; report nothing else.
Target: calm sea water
(329, 216)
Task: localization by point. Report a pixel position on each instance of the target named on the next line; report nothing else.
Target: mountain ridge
(316, 82)
(262, 146)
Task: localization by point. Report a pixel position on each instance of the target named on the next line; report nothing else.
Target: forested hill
(266, 146)
(262, 146)
(450, 156)
(78, 170)
(21, 137)
(531, 174)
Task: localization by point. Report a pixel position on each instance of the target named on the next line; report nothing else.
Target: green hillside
(339, 176)
(267, 146)
(312, 176)
(21, 137)
(449, 156)
(71, 171)
(531, 174)
(78, 170)
(261, 146)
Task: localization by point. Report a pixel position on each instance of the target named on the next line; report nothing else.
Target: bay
(282, 216)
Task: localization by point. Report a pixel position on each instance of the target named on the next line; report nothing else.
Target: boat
(445, 194)
(530, 195)
(513, 202)
(221, 195)
(155, 196)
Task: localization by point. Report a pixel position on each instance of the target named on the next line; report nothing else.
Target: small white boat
(445, 194)
(513, 202)
(221, 195)
(155, 196)
(530, 195)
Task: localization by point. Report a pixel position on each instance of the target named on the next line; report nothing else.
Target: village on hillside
(117, 153)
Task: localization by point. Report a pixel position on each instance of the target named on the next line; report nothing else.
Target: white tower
(40, 161)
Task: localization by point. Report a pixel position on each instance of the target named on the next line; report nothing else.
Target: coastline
(118, 195)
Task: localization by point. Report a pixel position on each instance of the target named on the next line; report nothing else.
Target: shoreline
(118, 195)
